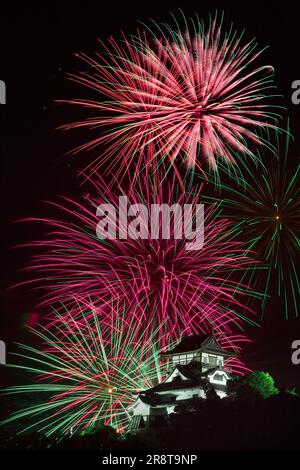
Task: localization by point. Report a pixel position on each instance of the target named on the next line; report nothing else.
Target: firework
(266, 211)
(159, 280)
(194, 93)
(86, 370)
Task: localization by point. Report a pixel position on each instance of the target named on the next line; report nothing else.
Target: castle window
(175, 359)
(189, 357)
(218, 377)
(182, 359)
(212, 360)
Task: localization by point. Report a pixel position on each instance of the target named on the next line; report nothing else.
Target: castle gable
(178, 373)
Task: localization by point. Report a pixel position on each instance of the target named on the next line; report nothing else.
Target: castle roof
(193, 377)
(193, 343)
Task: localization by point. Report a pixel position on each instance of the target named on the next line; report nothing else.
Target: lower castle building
(196, 367)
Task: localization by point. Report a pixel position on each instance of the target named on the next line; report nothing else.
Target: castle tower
(194, 365)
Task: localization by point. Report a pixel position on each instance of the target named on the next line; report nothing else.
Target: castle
(195, 366)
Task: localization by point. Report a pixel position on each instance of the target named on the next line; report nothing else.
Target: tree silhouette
(256, 383)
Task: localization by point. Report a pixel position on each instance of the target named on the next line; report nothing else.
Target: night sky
(37, 50)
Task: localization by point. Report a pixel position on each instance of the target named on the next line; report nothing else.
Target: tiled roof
(193, 343)
(189, 343)
(152, 399)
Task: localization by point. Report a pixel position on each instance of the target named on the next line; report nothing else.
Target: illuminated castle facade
(196, 366)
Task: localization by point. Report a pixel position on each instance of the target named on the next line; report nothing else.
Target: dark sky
(37, 46)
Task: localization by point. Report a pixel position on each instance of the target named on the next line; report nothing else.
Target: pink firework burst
(195, 95)
(158, 280)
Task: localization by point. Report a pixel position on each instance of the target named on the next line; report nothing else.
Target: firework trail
(266, 211)
(159, 280)
(194, 93)
(87, 371)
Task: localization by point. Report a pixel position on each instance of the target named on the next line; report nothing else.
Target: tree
(256, 383)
